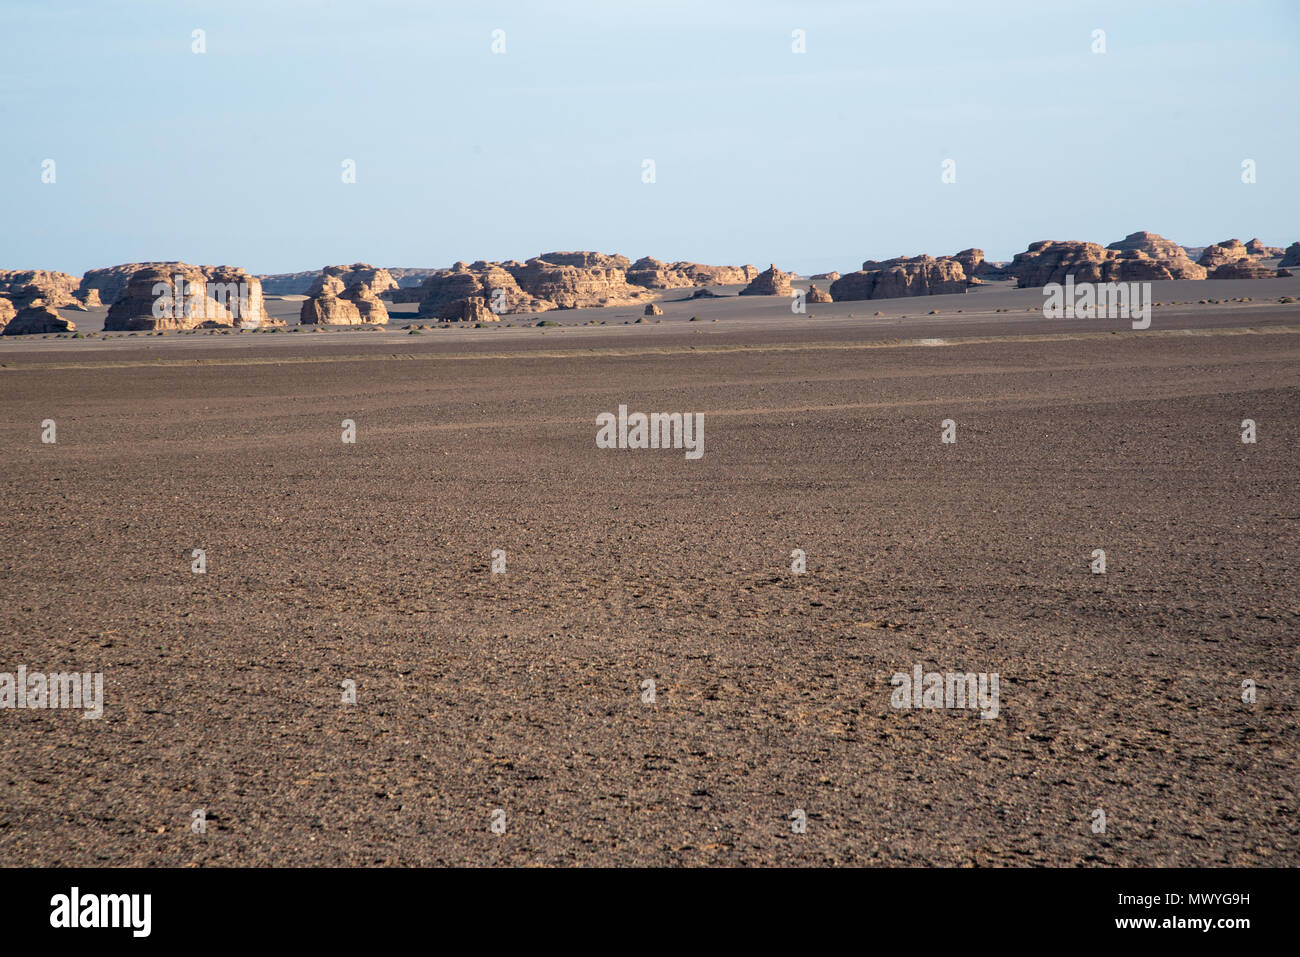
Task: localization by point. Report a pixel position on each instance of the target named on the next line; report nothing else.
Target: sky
(811, 160)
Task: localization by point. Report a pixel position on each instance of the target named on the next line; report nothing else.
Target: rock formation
(1244, 269)
(1291, 257)
(915, 276)
(1284, 273)
(817, 295)
(110, 282)
(1230, 250)
(1257, 249)
(188, 297)
(573, 287)
(346, 296)
(56, 289)
(369, 306)
(652, 310)
(653, 274)
(827, 276)
(1051, 261)
(586, 260)
(37, 318)
(473, 309)
(376, 280)
(1164, 251)
(582, 279)
(971, 260)
(770, 282)
(7, 311)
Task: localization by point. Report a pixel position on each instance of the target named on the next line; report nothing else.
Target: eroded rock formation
(903, 276)
(1219, 254)
(1258, 250)
(56, 289)
(37, 317)
(1244, 269)
(1164, 251)
(180, 296)
(1051, 261)
(770, 282)
(653, 274)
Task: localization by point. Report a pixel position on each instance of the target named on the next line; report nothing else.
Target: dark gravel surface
(371, 562)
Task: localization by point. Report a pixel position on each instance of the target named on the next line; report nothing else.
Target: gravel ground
(371, 562)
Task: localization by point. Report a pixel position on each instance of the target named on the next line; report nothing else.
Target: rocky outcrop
(55, 289)
(573, 287)
(110, 282)
(346, 296)
(241, 294)
(652, 310)
(1284, 273)
(1230, 250)
(893, 278)
(1258, 250)
(329, 308)
(1164, 251)
(1291, 256)
(770, 282)
(1244, 269)
(473, 309)
(827, 276)
(653, 274)
(180, 296)
(817, 295)
(971, 260)
(483, 280)
(37, 318)
(7, 311)
(369, 306)
(586, 260)
(1051, 261)
(376, 280)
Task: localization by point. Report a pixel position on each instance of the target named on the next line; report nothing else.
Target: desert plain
(523, 692)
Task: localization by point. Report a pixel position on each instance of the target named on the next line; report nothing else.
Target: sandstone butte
(1243, 269)
(1291, 257)
(1257, 249)
(201, 297)
(37, 317)
(554, 280)
(817, 295)
(901, 276)
(1219, 254)
(347, 296)
(770, 282)
(58, 290)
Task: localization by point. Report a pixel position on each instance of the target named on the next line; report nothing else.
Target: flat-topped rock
(899, 277)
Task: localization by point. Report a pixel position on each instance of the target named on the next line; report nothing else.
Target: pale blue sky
(812, 161)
